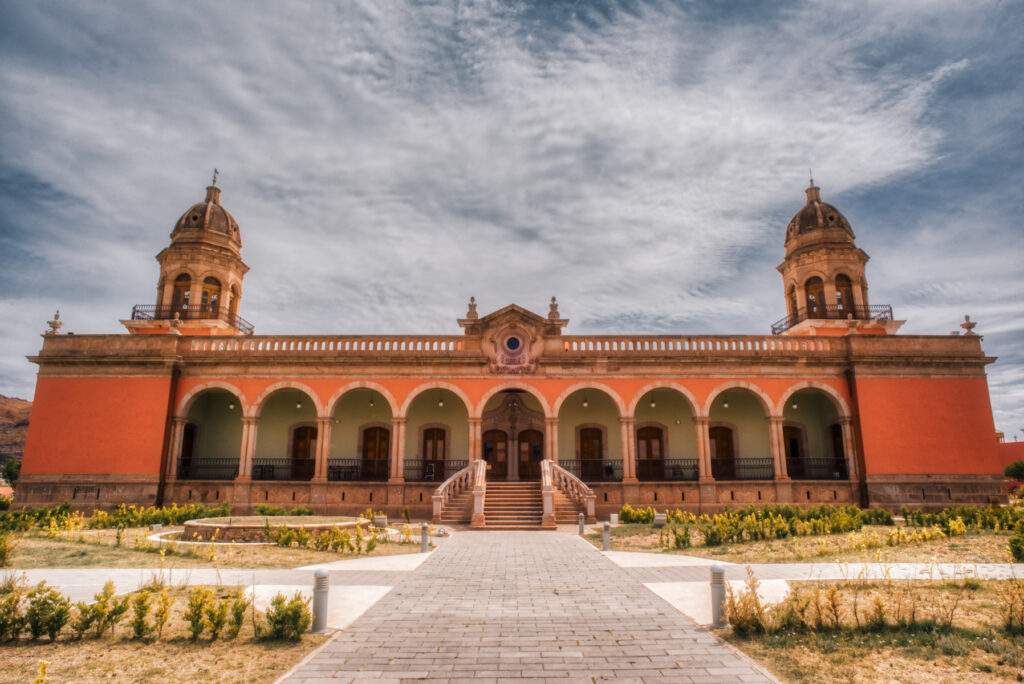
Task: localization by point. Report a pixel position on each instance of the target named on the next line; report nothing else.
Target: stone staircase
(513, 506)
(458, 510)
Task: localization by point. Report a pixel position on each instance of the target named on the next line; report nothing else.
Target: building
(513, 421)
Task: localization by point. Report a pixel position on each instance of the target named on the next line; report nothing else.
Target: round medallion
(512, 343)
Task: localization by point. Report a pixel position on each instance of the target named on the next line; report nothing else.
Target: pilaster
(177, 434)
(628, 426)
(475, 439)
(323, 448)
(849, 448)
(397, 474)
(777, 449)
(551, 437)
(249, 430)
(703, 429)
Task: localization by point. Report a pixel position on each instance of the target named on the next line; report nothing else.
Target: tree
(12, 469)
(1015, 471)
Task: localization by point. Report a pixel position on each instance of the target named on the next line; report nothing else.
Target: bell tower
(201, 273)
(823, 276)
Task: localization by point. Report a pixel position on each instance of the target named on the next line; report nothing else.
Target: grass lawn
(975, 649)
(98, 549)
(985, 547)
(175, 657)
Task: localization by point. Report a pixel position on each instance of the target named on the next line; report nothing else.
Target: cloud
(385, 161)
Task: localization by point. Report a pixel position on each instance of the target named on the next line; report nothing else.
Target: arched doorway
(813, 437)
(360, 437)
(376, 452)
(508, 418)
(666, 437)
(589, 438)
(591, 451)
(286, 437)
(437, 432)
(211, 438)
(739, 439)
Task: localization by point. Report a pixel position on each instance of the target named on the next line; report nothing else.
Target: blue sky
(640, 160)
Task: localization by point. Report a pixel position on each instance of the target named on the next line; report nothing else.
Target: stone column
(397, 450)
(849, 448)
(249, 429)
(778, 449)
(323, 448)
(551, 438)
(628, 426)
(195, 298)
(703, 427)
(475, 439)
(177, 434)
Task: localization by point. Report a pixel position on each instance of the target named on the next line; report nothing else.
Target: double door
(528, 451)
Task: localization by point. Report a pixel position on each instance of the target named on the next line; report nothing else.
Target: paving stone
(539, 606)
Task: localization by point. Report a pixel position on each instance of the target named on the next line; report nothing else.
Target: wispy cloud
(386, 160)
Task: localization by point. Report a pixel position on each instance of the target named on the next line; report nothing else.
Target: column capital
(474, 420)
(250, 420)
(321, 420)
(180, 420)
(845, 420)
(398, 420)
(778, 420)
(627, 420)
(702, 420)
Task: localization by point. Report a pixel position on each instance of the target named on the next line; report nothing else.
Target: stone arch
(659, 384)
(766, 401)
(437, 384)
(332, 403)
(186, 401)
(257, 405)
(512, 384)
(837, 399)
(601, 387)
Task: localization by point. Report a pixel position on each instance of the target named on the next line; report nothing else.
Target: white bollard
(718, 620)
(582, 519)
(424, 538)
(607, 538)
(320, 589)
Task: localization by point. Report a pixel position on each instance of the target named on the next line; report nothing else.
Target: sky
(386, 160)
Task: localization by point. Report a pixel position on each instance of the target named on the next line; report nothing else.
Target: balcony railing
(208, 469)
(817, 468)
(875, 312)
(667, 469)
(282, 469)
(593, 470)
(742, 469)
(152, 312)
(422, 470)
(357, 470)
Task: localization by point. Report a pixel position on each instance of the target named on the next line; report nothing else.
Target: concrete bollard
(582, 520)
(424, 538)
(320, 589)
(718, 620)
(606, 538)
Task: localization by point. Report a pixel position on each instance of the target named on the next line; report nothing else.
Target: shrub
(83, 619)
(239, 604)
(5, 503)
(744, 611)
(877, 516)
(216, 616)
(371, 544)
(266, 509)
(405, 514)
(1016, 543)
(628, 514)
(1015, 471)
(12, 618)
(302, 538)
(140, 608)
(6, 548)
(301, 510)
(104, 613)
(162, 612)
(47, 613)
(288, 619)
(198, 598)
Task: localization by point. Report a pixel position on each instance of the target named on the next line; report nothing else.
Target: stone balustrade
(695, 344)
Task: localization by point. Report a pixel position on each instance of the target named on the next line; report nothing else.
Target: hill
(13, 424)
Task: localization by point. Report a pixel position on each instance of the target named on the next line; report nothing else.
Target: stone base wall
(88, 493)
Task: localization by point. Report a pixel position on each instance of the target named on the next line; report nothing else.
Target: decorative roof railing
(153, 312)
(661, 345)
(319, 344)
(875, 312)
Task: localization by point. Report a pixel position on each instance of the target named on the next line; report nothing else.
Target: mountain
(13, 424)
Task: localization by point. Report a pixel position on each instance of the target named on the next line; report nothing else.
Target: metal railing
(817, 469)
(742, 469)
(282, 469)
(357, 469)
(190, 312)
(874, 312)
(665, 469)
(208, 469)
(593, 470)
(422, 470)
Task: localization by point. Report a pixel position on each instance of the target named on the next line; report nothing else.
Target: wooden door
(815, 289)
(531, 453)
(376, 451)
(496, 454)
(650, 453)
(303, 446)
(722, 452)
(591, 454)
(433, 454)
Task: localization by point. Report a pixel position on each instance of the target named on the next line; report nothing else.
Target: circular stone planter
(251, 528)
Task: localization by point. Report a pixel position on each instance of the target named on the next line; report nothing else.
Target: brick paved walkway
(493, 606)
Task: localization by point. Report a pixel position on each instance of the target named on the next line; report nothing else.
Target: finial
(55, 325)
(472, 308)
(811, 174)
(215, 172)
(553, 311)
(968, 325)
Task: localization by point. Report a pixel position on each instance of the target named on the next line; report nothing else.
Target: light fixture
(653, 404)
(725, 404)
(793, 406)
(231, 406)
(337, 422)
(440, 400)
(371, 402)
(585, 402)
(298, 404)
(678, 422)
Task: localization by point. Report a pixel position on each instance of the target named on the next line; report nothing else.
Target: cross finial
(215, 172)
(811, 174)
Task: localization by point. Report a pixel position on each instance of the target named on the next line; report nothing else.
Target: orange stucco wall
(96, 426)
(1010, 452)
(927, 425)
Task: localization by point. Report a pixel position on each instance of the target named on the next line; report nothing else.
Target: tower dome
(207, 219)
(817, 223)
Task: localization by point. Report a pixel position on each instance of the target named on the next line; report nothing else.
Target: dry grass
(974, 649)
(984, 547)
(173, 658)
(97, 549)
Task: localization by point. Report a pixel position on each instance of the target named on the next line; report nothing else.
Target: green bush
(216, 616)
(162, 612)
(198, 599)
(239, 604)
(628, 514)
(5, 502)
(288, 619)
(1016, 544)
(47, 613)
(12, 617)
(1015, 471)
(140, 609)
(6, 548)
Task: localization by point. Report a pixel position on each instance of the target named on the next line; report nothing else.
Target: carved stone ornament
(968, 326)
(55, 325)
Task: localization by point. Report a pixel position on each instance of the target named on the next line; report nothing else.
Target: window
(179, 300)
(211, 295)
(844, 294)
(815, 289)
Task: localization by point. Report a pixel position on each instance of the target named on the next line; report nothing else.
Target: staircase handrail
(574, 488)
(454, 485)
(479, 491)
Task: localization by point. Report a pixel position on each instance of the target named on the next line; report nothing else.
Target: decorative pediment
(513, 337)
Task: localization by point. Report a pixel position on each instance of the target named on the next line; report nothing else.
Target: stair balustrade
(573, 487)
(453, 486)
